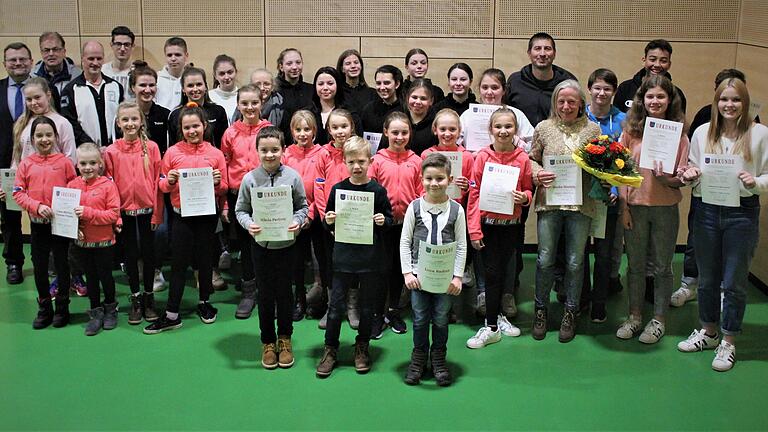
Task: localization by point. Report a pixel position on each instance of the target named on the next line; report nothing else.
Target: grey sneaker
(110, 316)
(247, 300)
(96, 321)
(653, 331)
(683, 295)
(629, 328)
(508, 306)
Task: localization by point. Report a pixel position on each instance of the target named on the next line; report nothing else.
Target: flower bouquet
(607, 160)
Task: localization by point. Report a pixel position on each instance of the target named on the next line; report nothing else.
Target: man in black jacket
(530, 89)
(656, 61)
(17, 59)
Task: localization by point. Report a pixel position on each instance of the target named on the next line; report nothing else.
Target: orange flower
(594, 149)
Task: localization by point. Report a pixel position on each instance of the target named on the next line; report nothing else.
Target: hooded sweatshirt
(185, 155)
(329, 170)
(36, 176)
(137, 184)
(516, 158)
(400, 174)
(101, 210)
(304, 160)
(532, 96)
(239, 147)
(625, 94)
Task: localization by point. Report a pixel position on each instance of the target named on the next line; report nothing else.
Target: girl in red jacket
(303, 157)
(99, 213)
(239, 148)
(133, 162)
(496, 235)
(447, 128)
(329, 170)
(193, 236)
(399, 171)
(36, 176)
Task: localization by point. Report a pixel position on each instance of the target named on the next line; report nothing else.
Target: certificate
(477, 136)
(435, 267)
(720, 184)
(661, 138)
(8, 177)
(196, 192)
(597, 228)
(566, 188)
(499, 181)
(354, 217)
(455, 157)
(373, 138)
(273, 212)
(65, 222)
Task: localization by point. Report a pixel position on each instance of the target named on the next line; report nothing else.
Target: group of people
(123, 134)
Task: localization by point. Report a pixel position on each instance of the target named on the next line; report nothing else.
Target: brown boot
(285, 352)
(269, 356)
(327, 363)
(362, 358)
(568, 326)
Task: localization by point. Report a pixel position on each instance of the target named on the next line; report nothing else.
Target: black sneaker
(162, 324)
(598, 313)
(378, 327)
(207, 312)
(392, 318)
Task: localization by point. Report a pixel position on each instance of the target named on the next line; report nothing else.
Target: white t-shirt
(119, 76)
(227, 100)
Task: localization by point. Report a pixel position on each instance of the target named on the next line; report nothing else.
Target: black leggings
(43, 242)
(10, 226)
(310, 239)
(394, 281)
(191, 241)
(501, 244)
(138, 242)
(244, 239)
(97, 263)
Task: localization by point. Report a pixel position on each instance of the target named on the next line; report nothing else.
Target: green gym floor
(209, 377)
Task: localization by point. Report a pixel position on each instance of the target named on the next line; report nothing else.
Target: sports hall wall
(707, 36)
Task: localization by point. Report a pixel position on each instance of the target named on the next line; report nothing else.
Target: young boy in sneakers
(436, 220)
(355, 264)
(273, 259)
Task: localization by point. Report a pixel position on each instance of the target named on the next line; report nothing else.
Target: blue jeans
(690, 270)
(428, 307)
(550, 225)
(651, 244)
(725, 239)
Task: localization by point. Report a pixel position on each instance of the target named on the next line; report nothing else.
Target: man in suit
(17, 59)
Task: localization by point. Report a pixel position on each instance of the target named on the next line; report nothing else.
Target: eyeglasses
(122, 44)
(51, 50)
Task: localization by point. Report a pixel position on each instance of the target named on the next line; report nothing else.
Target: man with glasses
(122, 45)
(17, 59)
(55, 66)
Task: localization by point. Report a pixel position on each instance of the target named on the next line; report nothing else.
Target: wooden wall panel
(98, 18)
(169, 17)
(753, 29)
(247, 51)
(24, 17)
(434, 47)
(398, 18)
(692, 20)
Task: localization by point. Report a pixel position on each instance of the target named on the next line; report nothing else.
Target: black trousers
(394, 279)
(501, 245)
(138, 242)
(43, 243)
(370, 286)
(311, 239)
(191, 241)
(97, 264)
(10, 225)
(274, 268)
(244, 239)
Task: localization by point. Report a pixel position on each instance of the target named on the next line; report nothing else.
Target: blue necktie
(19, 102)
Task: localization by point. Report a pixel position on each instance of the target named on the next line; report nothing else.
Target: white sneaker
(653, 331)
(698, 341)
(484, 336)
(682, 296)
(629, 328)
(159, 284)
(725, 357)
(508, 306)
(507, 328)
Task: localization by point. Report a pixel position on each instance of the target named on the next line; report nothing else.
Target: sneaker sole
(173, 327)
(151, 320)
(285, 365)
(209, 321)
(483, 346)
(599, 320)
(243, 316)
(269, 366)
(398, 331)
(362, 371)
(136, 322)
(325, 374)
